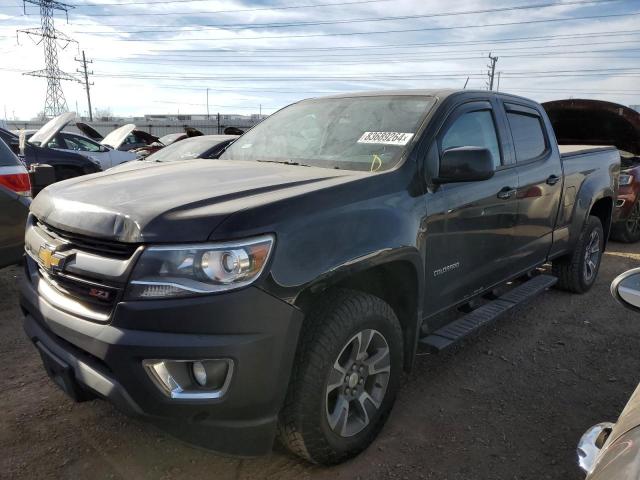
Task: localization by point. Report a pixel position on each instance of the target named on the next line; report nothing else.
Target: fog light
(191, 379)
(199, 373)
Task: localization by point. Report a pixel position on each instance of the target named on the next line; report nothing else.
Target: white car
(105, 152)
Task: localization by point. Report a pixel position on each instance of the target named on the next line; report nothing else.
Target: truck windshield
(354, 133)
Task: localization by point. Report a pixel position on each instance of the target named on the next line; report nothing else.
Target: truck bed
(567, 151)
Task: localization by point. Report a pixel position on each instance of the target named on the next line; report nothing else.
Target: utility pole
(465, 84)
(492, 71)
(498, 87)
(83, 63)
(260, 111)
(207, 103)
(54, 103)
(218, 130)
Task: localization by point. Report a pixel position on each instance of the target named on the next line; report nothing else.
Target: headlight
(625, 179)
(186, 270)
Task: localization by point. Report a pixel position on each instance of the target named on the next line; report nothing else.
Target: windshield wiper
(284, 162)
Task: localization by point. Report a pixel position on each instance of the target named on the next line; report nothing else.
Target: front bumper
(257, 331)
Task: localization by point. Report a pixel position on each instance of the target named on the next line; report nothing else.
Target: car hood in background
(147, 137)
(594, 122)
(173, 201)
(118, 136)
(89, 131)
(50, 129)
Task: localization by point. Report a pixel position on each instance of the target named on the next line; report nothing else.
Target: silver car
(609, 451)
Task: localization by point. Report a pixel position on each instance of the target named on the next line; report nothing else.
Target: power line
(360, 54)
(284, 7)
(381, 32)
(372, 76)
(354, 20)
(265, 61)
(406, 45)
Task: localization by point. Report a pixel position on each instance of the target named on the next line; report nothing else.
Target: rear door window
(528, 135)
(474, 129)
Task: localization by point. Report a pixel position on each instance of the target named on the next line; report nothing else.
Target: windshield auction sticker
(386, 138)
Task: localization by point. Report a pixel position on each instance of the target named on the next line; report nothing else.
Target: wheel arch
(397, 281)
(603, 209)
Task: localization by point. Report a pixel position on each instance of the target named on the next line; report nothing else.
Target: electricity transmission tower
(491, 73)
(55, 102)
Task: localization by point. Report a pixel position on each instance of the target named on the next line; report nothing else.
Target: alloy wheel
(633, 222)
(357, 383)
(592, 257)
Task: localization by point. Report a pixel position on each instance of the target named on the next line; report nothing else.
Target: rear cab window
(527, 130)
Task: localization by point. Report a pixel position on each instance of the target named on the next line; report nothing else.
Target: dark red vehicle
(594, 122)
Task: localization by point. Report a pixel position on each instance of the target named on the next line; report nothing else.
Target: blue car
(65, 164)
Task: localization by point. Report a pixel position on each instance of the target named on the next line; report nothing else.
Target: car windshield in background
(169, 139)
(354, 133)
(183, 150)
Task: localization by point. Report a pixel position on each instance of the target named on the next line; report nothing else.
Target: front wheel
(345, 379)
(577, 271)
(628, 230)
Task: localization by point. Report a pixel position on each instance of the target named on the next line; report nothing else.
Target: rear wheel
(628, 230)
(345, 378)
(578, 271)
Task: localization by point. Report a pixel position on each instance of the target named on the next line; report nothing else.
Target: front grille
(102, 296)
(89, 244)
(88, 293)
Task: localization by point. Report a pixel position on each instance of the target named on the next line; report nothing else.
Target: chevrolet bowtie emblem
(50, 259)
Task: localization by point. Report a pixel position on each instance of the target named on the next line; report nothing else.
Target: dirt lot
(509, 404)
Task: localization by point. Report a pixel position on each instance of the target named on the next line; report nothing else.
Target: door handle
(506, 193)
(553, 179)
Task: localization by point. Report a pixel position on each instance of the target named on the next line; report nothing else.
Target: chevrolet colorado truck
(284, 288)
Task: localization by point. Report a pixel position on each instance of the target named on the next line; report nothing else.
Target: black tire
(574, 272)
(628, 230)
(64, 173)
(337, 319)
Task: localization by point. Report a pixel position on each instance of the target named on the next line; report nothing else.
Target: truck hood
(595, 122)
(89, 131)
(173, 201)
(119, 135)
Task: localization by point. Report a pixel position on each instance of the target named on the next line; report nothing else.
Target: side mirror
(104, 149)
(465, 164)
(626, 289)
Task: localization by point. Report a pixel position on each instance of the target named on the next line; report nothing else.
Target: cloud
(170, 66)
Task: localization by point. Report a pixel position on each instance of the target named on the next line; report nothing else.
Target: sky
(161, 56)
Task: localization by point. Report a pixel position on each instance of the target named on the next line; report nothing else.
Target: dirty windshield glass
(356, 133)
(184, 149)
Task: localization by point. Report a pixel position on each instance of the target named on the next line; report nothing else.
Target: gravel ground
(510, 403)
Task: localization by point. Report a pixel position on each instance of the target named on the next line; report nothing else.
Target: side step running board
(484, 315)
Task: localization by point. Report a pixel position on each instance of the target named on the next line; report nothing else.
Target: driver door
(470, 243)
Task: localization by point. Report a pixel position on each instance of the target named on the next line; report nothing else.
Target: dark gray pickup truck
(285, 287)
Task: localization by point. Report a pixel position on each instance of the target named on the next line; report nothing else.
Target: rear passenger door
(540, 183)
